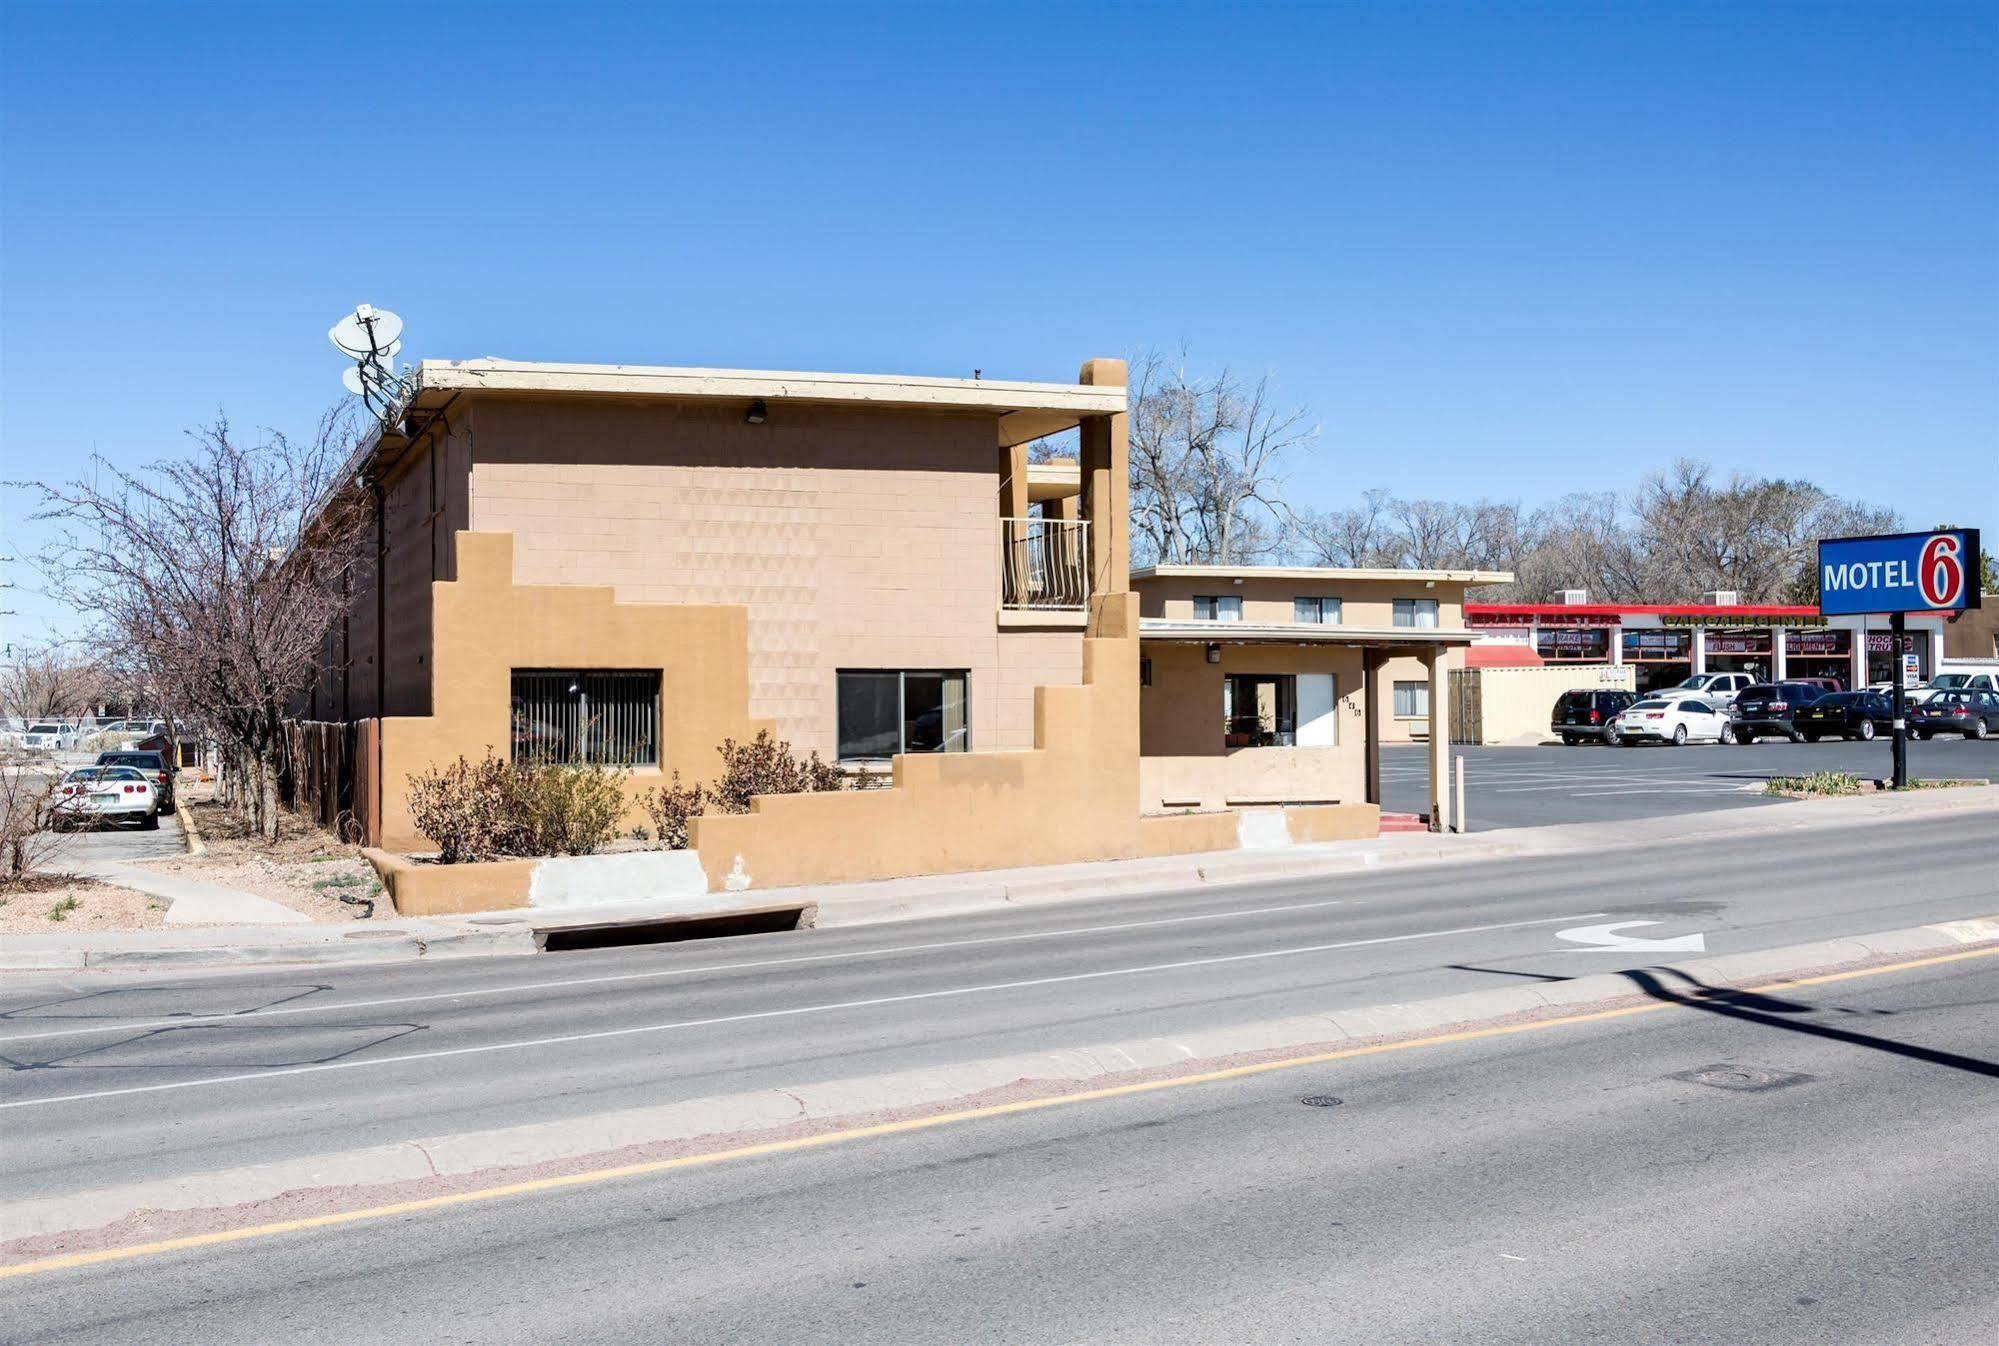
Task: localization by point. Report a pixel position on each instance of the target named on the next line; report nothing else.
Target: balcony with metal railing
(1045, 565)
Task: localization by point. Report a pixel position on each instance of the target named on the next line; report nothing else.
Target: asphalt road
(1537, 786)
(1812, 1169)
(336, 1059)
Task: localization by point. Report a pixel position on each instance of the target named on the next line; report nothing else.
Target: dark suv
(154, 764)
(1587, 713)
(1770, 708)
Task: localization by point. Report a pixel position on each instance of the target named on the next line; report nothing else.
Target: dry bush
(28, 841)
(763, 766)
(490, 808)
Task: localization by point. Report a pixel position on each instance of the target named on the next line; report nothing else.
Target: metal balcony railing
(1045, 564)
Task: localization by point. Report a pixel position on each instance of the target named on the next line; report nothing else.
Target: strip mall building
(1663, 643)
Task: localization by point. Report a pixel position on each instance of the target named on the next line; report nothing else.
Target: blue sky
(1504, 250)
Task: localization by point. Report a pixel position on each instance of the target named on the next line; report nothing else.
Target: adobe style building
(631, 564)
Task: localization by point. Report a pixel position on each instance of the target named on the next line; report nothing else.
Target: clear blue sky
(1499, 249)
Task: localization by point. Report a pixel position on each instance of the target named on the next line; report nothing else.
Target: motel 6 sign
(1899, 572)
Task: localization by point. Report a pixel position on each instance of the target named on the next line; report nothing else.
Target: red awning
(1501, 656)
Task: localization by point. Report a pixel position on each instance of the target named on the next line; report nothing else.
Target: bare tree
(1207, 464)
(215, 575)
(1357, 536)
(52, 680)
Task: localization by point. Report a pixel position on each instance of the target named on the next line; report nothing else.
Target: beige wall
(486, 626)
(1267, 601)
(853, 538)
(1514, 705)
(1068, 798)
(1402, 668)
(1184, 760)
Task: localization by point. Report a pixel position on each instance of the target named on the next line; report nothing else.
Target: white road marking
(870, 1002)
(1605, 939)
(657, 974)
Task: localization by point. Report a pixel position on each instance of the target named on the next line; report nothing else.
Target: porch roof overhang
(1248, 633)
(1026, 411)
(1232, 572)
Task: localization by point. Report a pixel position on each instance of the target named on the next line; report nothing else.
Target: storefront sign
(1818, 642)
(1572, 644)
(1476, 619)
(1899, 572)
(1882, 642)
(1667, 645)
(1738, 642)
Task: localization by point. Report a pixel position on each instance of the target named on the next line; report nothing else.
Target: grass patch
(344, 881)
(1818, 783)
(61, 910)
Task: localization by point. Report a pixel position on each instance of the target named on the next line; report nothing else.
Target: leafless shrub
(29, 840)
(492, 808)
(767, 766)
(669, 806)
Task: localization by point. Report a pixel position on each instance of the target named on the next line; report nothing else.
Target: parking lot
(1537, 786)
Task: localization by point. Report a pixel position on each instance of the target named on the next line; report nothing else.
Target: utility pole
(1896, 626)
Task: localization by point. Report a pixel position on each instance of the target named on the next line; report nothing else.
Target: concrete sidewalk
(194, 902)
(520, 932)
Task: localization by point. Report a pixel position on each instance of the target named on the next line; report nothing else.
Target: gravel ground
(51, 903)
(307, 869)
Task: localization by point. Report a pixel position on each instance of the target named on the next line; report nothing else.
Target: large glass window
(1217, 607)
(1316, 611)
(1261, 710)
(886, 711)
(1412, 700)
(1415, 612)
(606, 717)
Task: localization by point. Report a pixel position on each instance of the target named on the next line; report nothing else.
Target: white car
(1717, 689)
(93, 793)
(1672, 718)
(46, 736)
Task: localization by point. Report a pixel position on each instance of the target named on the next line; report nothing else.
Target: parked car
(154, 765)
(46, 736)
(1966, 682)
(1671, 719)
(1717, 689)
(1589, 712)
(1975, 714)
(92, 794)
(1859, 715)
(1827, 686)
(1768, 709)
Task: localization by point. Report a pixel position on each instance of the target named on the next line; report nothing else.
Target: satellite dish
(366, 331)
(351, 376)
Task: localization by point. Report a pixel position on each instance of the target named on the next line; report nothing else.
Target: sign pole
(1897, 625)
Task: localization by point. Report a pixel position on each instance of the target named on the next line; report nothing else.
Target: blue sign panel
(1899, 572)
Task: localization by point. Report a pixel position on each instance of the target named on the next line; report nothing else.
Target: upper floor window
(1415, 612)
(574, 716)
(1217, 607)
(1316, 611)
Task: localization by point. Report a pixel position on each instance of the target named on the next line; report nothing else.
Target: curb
(188, 831)
(826, 1101)
(383, 947)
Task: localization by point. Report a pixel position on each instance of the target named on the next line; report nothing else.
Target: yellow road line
(594, 1176)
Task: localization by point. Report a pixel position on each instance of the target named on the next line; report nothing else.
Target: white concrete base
(1262, 829)
(597, 880)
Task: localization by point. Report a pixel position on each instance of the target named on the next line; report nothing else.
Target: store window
(886, 711)
(1316, 611)
(586, 716)
(1412, 700)
(1416, 612)
(1589, 645)
(1217, 607)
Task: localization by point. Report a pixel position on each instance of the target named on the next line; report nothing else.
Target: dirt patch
(306, 869)
(49, 904)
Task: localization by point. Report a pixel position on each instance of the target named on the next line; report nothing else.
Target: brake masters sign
(1899, 572)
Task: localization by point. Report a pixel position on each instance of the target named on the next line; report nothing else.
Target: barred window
(609, 717)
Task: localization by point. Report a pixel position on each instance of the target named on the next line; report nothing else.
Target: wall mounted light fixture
(1214, 654)
(759, 413)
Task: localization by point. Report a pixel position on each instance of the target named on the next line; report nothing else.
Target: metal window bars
(605, 717)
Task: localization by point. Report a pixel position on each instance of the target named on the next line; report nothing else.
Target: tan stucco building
(630, 564)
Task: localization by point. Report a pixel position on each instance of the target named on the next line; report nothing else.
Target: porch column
(1370, 695)
(1106, 485)
(1436, 664)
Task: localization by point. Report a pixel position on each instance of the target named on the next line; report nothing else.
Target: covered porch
(1238, 716)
